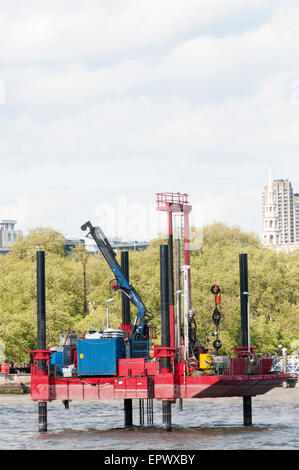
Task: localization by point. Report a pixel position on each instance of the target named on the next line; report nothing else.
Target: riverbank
(14, 383)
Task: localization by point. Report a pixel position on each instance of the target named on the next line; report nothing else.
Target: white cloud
(198, 107)
(201, 68)
(54, 31)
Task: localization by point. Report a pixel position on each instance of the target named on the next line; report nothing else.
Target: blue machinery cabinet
(57, 358)
(140, 349)
(99, 356)
(61, 357)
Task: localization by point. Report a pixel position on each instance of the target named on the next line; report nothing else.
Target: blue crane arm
(139, 330)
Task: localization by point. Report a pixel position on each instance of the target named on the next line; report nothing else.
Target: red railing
(164, 200)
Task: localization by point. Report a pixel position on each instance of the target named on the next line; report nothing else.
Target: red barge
(178, 369)
(140, 379)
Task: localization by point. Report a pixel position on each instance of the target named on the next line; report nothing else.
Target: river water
(204, 424)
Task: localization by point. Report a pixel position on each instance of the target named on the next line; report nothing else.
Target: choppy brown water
(204, 424)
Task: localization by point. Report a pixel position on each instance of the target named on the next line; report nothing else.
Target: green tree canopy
(41, 238)
(273, 285)
(221, 233)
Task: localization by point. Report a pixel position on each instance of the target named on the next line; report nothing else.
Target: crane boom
(139, 330)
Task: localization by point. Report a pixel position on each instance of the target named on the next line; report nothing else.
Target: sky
(105, 103)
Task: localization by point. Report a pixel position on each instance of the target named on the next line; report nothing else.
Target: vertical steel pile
(164, 295)
(243, 264)
(126, 313)
(165, 327)
(126, 320)
(41, 329)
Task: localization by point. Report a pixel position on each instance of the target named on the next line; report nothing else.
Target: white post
(107, 310)
(178, 325)
(107, 315)
(284, 364)
(186, 311)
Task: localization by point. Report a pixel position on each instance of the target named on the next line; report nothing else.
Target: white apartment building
(8, 234)
(280, 214)
(296, 217)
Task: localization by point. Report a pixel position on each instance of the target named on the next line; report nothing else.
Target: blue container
(99, 356)
(57, 358)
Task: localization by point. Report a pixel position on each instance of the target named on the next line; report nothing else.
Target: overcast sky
(106, 103)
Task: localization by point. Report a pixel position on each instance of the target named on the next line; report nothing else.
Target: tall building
(296, 217)
(280, 213)
(8, 234)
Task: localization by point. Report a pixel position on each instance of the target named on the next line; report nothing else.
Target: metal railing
(292, 364)
(171, 198)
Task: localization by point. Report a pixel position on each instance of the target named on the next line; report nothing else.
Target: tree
(45, 239)
(221, 233)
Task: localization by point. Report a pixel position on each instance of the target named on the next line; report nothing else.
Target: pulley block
(216, 316)
(217, 344)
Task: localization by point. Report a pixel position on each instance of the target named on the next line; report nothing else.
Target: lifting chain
(217, 315)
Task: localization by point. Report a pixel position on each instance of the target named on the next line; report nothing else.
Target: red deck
(144, 380)
(160, 387)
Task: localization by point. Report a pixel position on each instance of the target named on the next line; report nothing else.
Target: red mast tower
(175, 203)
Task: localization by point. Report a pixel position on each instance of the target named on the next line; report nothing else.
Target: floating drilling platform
(122, 364)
